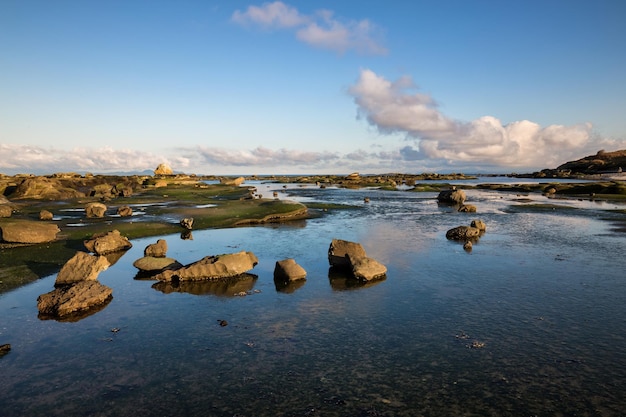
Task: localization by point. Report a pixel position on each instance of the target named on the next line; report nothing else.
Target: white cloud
(394, 107)
(321, 30)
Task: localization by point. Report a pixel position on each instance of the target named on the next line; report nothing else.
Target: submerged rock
(212, 267)
(463, 233)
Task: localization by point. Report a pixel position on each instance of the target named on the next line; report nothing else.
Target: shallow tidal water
(531, 322)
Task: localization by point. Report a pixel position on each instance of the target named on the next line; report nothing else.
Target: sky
(309, 87)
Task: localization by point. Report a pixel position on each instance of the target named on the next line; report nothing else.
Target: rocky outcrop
(157, 250)
(288, 270)
(28, 232)
(163, 169)
(452, 196)
(104, 243)
(232, 181)
(152, 264)
(81, 267)
(212, 267)
(601, 162)
(69, 299)
(95, 210)
(351, 256)
(43, 188)
(463, 233)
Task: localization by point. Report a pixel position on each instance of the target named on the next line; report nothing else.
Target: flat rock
(367, 269)
(73, 298)
(152, 264)
(212, 267)
(28, 232)
(81, 267)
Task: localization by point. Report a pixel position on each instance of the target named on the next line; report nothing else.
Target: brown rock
(467, 208)
(452, 196)
(81, 267)
(479, 224)
(463, 233)
(366, 269)
(95, 210)
(340, 248)
(104, 243)
(5, 210)
(213, 267)
(70, 299)
(152, 264)
(163, 169)
(232, 181)
(157, 250)
(187, 223)
(45, 215)
(28, 232)
(288, 270)
(124, 211)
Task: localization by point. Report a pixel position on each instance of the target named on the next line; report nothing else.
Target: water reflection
(341, 280)
(226, 287)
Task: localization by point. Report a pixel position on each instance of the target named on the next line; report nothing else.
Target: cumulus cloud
(264, 157)
(321, 29)
(394, 107)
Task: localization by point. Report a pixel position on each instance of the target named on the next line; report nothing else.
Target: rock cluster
(351, 256)
(468, 235)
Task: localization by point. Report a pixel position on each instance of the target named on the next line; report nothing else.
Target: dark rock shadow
(341, 280)
(225, 287)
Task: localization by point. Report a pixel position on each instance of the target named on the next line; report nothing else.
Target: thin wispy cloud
(394, 107)
(320, 29)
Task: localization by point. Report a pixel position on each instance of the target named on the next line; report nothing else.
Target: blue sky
(240, 87)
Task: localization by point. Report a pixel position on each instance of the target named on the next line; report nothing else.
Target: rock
(109, 242)
(479, 224)
(95, 210)
(160, 184)
(340, 248)
(232, 181)
(4, 349)
(288, 270)
(5, 210)
(163, 169)
(73, 298)
(467, 208)
(45, 189)
(157, 250)
(549, 190)
(28, 232)
(45, 215)
(463, 233)
(124, 211)
(81, 267)
(452, 196)
(154, 264)
(212, 267)
(187, 223)
(366, 269)
(468, 246)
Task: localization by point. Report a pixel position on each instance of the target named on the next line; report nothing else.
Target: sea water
(531, 321)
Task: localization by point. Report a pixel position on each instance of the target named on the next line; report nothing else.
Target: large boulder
(288, 270)
(340, 248)
(452, 196)
(69, 299)
(104, 243)
(46, 189)
(152, 264)
(212, 267)
(81, 267)
(28, 232)
(95, 210)
(163, 169)
(463, 233)
(157, 250)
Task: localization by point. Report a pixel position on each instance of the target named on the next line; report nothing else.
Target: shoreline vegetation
(158, 203)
